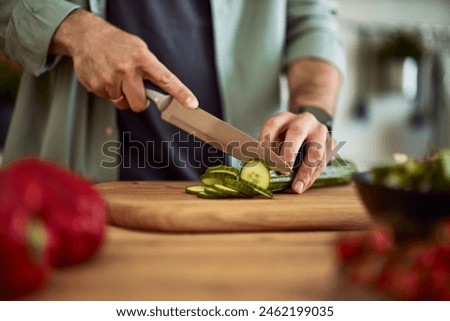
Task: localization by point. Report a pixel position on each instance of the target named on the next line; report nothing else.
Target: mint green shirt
(255, 40)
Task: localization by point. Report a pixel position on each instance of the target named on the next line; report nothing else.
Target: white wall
(387, 128)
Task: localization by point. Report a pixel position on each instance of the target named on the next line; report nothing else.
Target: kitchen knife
(215, 132)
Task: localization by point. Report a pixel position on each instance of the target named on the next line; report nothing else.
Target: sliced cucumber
(223, 169)
(264, 192)
(210, 179)
(241, 186)
(225, 189)
(248, 188)
(210, 196)
(194, 189)
(255, 178)
(256, 172)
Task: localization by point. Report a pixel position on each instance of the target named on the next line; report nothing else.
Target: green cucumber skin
(339, 173)
(209, 179)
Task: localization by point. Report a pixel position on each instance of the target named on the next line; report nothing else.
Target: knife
(215, 131)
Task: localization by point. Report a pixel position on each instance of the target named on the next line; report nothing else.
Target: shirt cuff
(321, 44)
(30, 31)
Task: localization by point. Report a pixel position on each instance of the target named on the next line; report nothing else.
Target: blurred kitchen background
(396, 95)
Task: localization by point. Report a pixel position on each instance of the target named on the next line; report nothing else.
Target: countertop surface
(152, 265)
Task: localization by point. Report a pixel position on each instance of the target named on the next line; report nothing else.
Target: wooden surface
(138, 265)
(164, 206)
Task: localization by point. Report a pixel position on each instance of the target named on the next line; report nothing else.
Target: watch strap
(320, 114)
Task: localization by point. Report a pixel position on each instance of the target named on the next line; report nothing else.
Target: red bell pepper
(71, 209)
(77, 212)
(26, 242)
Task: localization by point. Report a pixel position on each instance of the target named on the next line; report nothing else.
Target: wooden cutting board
(164, 206)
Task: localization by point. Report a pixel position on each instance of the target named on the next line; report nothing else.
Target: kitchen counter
(136, 265)
(151, 265)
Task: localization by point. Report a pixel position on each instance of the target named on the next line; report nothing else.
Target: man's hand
(311, 82)
(114, 64)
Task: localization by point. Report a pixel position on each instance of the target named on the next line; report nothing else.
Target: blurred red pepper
(77, 210)
(72, 211)
(26, 243)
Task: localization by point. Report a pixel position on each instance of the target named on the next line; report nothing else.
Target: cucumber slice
(209, 179)
(223, 169)
(212, 191)
(241, 186)
(210, 196)
(256, 172)
(248, 188)
(227, 190)
(262, 191)
(194, 189)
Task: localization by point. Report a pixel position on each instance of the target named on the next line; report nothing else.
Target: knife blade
(215, 131)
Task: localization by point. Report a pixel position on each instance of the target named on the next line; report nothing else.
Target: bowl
(410, 213)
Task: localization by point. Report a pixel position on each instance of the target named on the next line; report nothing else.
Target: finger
(272, 128)
(134, 91)
(121, 104)
(315, 175)
(159, 75)
(114, 93)
(312, 164)
(296, 134)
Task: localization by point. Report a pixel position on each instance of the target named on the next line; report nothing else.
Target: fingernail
(191, 102)
(298, 187)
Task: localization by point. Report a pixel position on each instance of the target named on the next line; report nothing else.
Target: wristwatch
(320, 114)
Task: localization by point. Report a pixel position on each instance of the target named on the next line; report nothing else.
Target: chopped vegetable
(432, 174)
(48, 217)
(255, 178)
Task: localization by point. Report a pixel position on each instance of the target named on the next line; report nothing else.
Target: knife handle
(160, 100)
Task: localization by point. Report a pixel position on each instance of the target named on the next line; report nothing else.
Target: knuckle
(166, 78)
(140, 50)
(108, 81)
(297, 129)
(271, 123)
(123, 68)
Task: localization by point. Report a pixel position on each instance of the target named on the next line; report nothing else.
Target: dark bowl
(411, 214)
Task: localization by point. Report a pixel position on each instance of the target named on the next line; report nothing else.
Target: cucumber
(210, 196)
(330, 182)
(256, 172)
(241, 186)
(280, 182)
(225, 189)
(209, 179)
(248, 188)
(255, 178)
(194, 189)
(223, 169)
(334, 175)
(338, 173)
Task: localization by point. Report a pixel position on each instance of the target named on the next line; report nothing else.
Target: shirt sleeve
(312, 31)
(27, 28)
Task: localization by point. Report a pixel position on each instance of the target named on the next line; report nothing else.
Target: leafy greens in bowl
(409, 195)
